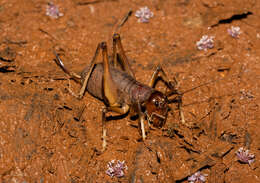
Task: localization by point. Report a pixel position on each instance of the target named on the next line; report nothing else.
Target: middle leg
(110, 94)
(120, 110)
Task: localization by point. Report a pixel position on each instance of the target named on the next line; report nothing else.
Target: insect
(113, 82)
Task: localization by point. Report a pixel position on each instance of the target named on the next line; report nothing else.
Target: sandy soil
(43, 137)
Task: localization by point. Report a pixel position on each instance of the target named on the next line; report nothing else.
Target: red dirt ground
(40, 140)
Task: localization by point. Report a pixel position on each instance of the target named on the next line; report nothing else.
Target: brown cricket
(113, 82)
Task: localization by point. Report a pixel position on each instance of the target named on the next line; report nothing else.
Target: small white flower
(197, 177)
(244, 156)
(53, 11)
(144, 14)
(234, 32)
(206, 42)
(116, 170)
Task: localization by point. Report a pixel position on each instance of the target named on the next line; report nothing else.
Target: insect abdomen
(131, 89)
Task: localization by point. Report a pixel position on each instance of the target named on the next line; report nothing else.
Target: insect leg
(120, 57)
(92, 65)
(120, 110)
(159, 73)
(59, 62)
(110, 93)
(74, 76)
(141, 120)
(104, 130)
(110, 90)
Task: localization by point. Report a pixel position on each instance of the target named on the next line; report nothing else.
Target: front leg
(141, 120)
(159, 73)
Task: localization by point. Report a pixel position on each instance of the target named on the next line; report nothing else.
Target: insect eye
(156, 103)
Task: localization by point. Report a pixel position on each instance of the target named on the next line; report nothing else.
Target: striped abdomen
(129, 90)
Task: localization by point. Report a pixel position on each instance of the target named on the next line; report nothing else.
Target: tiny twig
(79, 113)
(48, 34)
(247, 140)
(212, 130)
(93, 2)
(20, 43)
